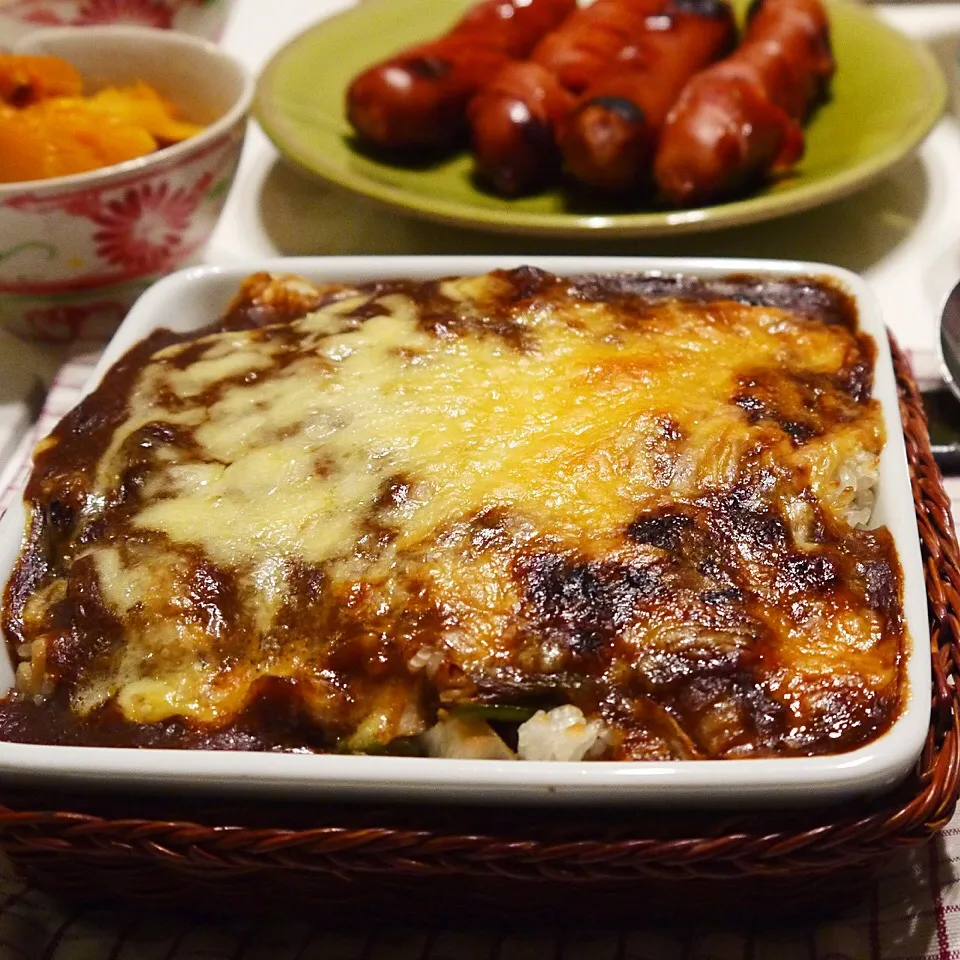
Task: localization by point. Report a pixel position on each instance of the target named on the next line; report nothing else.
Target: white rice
(427, 659)
(563, 733)
(856, 481)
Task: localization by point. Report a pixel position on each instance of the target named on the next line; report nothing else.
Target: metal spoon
(943, 413)
(948, 343)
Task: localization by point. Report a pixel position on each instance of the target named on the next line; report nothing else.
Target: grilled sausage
(609, 139)
(416, 100)
(594, 40)
(512, 128)
(514, 119)
(740, 120)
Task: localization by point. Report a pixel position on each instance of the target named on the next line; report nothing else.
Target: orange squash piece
(78, 137)
(50, 141)
(28, 79)
(143, 106)
(21, 152)
(48, 128)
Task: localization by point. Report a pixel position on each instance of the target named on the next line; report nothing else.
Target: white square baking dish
(193, 298)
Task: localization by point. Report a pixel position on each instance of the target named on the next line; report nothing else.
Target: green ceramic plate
(887, 94)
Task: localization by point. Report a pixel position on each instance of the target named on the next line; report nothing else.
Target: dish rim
(751, 209)
(872, 768)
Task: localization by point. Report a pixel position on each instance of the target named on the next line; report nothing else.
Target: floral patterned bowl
(76, 251)
(203, 18)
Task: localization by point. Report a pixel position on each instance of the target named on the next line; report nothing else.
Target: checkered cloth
(912, 912)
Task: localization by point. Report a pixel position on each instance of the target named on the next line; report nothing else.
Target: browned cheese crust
(344, 511)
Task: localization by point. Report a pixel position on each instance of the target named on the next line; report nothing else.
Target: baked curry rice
(613, 517)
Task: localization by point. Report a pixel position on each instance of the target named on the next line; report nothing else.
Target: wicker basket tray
(344, 863)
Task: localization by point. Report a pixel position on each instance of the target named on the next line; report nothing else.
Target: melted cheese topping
(290, 458)
(373, 477)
